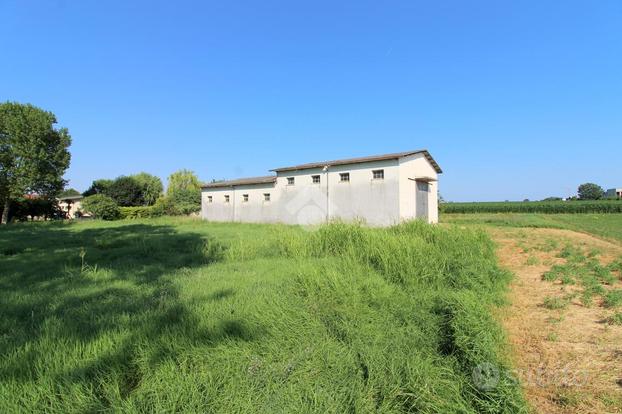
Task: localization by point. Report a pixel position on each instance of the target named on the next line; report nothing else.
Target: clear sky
(514, 99)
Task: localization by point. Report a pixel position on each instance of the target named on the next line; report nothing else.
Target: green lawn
(179, 315)
(603, 225)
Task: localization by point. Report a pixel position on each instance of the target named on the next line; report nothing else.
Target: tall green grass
(180, 315)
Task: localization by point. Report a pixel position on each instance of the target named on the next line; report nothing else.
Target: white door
(421, 206)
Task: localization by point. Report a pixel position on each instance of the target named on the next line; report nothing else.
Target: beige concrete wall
(411, 168)
(377, 202)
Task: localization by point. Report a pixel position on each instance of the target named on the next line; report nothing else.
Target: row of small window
(266, 197)
(343, 177)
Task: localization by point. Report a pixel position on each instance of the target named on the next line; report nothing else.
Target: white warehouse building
(379, 190)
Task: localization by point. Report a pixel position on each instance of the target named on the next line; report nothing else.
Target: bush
(137, 212)
(101, 207)
(185, 201)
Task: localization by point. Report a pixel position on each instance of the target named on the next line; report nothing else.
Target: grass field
(608, 226)
(178, 315)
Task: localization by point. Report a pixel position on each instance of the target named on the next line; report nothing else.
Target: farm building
(614, 193)
(380, 190)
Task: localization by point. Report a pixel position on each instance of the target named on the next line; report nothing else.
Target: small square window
(209, 199)
(226, 199)
(290, 180)
(316, 179)
(378, 174)
(266, 197)
(344, 177)
(245, 198)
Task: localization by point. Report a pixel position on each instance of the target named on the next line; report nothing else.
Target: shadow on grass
(64, 286)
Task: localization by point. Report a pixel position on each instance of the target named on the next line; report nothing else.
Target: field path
(569, 360)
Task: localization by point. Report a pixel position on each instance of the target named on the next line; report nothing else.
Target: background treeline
(142, 195)
(551, 207)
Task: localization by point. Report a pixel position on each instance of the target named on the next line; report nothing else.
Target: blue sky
(514, 99)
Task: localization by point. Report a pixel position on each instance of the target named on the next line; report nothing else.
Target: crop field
(607, 226)
(170, 315)
(546, 207)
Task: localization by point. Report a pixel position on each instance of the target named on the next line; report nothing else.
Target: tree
(101, 206)
(98, 187)
(185, 201)
(68, 193)
(183, 180)
(33, 154)
(151, 187)
(126, 191)
(590, 191)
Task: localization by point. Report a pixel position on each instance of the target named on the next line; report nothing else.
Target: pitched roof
(359, 160)
(71, 197)
(268, 179)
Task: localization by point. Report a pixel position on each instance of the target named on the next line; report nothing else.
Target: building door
(422, 200)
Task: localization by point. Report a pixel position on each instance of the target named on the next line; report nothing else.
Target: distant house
(70, 205)
(379, 190)
(614, 193)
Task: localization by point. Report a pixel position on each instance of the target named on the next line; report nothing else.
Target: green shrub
(138, 212)
(101, 207)
(184, 201)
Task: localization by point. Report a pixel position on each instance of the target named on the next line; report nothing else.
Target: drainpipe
(325, 169)
(233, 196)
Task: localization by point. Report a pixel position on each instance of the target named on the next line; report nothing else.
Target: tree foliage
(27, 208)
(33, 153)
(69, 192)
(185, 201)
(151, 187)
(100, 186)
(101, 206)
(126, 191)
(183, 180)
(590, 191)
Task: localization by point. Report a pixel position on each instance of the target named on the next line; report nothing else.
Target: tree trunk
(5, 211)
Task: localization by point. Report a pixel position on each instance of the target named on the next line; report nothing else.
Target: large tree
(151, 187)
(33, 153)
(590, 191)
(100, 186)
(126, 191)
(183, 180)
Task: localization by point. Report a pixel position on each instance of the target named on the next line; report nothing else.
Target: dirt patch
(568, 357)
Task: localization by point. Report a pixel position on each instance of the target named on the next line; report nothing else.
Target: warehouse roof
(359, 160)
(268, 179)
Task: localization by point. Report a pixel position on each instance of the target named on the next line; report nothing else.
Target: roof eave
(310, 166)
